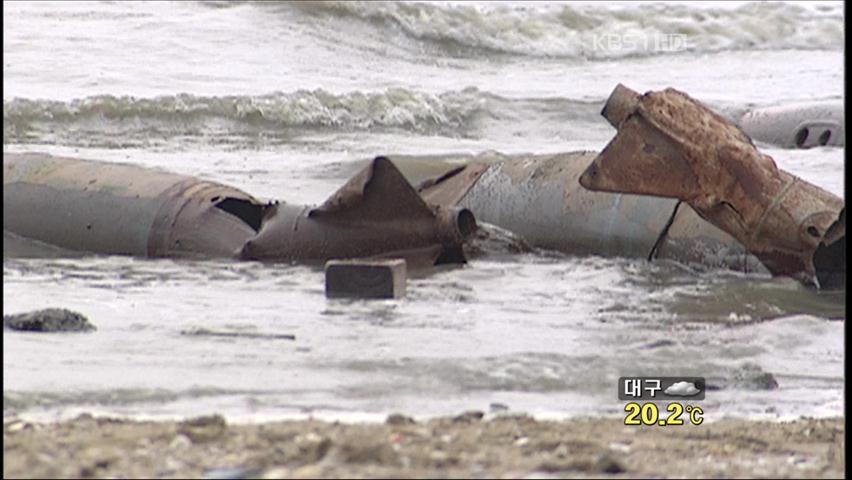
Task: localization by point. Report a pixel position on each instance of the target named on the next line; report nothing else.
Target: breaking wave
(586, 31)
(122, 121)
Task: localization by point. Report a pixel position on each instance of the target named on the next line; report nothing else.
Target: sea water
(280, 100)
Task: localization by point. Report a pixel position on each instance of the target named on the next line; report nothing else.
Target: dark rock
(751, 377)
(312, 448)
(363, 451)
(203, 429)
(748, 376)
(605, 463)
(48, 320)
(399, 419)
(469, 417)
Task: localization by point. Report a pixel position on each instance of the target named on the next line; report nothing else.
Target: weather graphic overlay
(679, 394)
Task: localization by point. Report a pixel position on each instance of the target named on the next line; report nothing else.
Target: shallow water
(281, 99)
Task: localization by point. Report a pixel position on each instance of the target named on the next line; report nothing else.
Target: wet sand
(462, 446)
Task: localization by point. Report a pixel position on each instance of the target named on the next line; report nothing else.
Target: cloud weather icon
(681, 389)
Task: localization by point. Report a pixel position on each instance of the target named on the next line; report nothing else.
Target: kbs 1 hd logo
(678, 392)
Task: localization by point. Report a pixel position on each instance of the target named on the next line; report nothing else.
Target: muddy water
(271, 99)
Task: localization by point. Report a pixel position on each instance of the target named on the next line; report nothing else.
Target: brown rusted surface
(376, 213)
(451, 187)
(191, 222)
(620, 104)
(671, 145)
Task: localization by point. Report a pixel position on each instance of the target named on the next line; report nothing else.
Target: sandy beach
(465, 446)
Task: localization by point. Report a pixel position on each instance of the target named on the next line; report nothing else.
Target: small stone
(48, 320)
(97, 459)
(751, 376)
(366, 452)
(438, 456)
(277, 472)
(312, 447)
(180, 442)
(16, 426)
(202, 429)
(84, 417)
(308, 471)
(552, 465)
(469, 417)
(606, 463)
(399, 419)
(229, 473)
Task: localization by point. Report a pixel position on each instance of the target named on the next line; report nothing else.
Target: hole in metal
(466, 223)
(802, 137)
(248, 212)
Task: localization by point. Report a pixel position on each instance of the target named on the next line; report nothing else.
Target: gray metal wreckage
(797, 125)
(112, 208)
(677, 182)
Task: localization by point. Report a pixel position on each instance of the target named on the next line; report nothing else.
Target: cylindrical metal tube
(116, 208)
(800, 125)
(123, 209)
(540, 198)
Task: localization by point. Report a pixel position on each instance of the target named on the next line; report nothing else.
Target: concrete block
(365, 278)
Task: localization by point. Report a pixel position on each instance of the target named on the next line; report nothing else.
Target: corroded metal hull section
(670, 145)
(110, 208)
(539, 197)
(376, 213)
(114, 208)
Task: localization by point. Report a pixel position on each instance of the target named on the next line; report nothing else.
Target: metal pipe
(540, 198)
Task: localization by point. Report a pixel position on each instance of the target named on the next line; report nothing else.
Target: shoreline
(462, 446)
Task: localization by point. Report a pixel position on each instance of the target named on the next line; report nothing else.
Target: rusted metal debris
(124, 209)
(539, 198)
(670, 145)
(365, 278)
